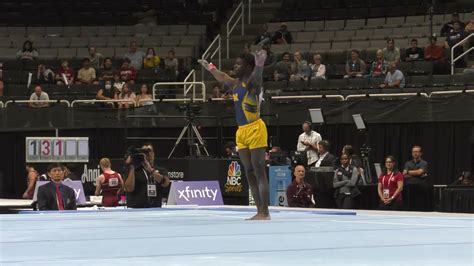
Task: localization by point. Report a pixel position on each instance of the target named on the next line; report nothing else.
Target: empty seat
(4, 32)
(359, 45)
(152, 41)
(354, 24)
(72, 31)
(418, 81)
(358, 83)
(171, 40)
(124, 31)
(344, 35)
(375, 82)
(160, 30)
(184, 51)
(314, 25)
(67, 53)
(57, 42)
(334, 25)
(8, 53)
(394, 21)
(89, 31)
(441, 80)
(107, 30)
(463, 79)
(120, 51)
(197, 29)
(42, 42)
(190, 40)
(178, 29)
(281, 48)
(341, 45)
(36, 31)
(51, 53)
(337, 83)
(299, 47)
(17, 31)
(295, 25)
(320, 47)
(79, 42)
(375, 22)
(414, 20)
(5, 42)
(420, 31)
(421, 68)
(377, 44)
(324, 36)
(142, 30)
(99, 41)
(363, 34)
(401, 32)
(303, 37)
(84, 52)
(118, 41)
(107, 51)
(381, 33)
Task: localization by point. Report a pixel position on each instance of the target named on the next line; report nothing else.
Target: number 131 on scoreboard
(50, 149)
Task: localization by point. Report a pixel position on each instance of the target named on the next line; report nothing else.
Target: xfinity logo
(188, 193)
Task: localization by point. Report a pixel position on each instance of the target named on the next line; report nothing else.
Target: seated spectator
(282, 36)
(45, 75)
(355, 67)
(216, 92)
(263, 34)
(54, 195)
(390, 186)
(136, 56)
(299, 193)
(172, 63)
(86, 75)
(283, 68)
(109, 184)
(318, 70)
(39, 95)
(271, 58)
(454, 37)
(466, 179)
(379, 66)
(144, 98)
(394, 78)
(345, 184)
(126, 94)
(231, 150)
(31, 179)
(325, 159)
(469, 70)
(117, 84)
(449, 26)
(106, 73)
(299, 68)
(95, 58)
(435, 53)
(276, 156)
(151, 61)
(127, 72)
(246, 49)
(27, 54)
(390, 52)
(65, 74)
(108, 92)
(414, 53)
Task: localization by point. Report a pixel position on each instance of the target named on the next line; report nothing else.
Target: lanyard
(389, 180)
(146, 175)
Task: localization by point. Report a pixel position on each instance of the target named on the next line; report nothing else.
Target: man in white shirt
(308, 142)
(39, 95)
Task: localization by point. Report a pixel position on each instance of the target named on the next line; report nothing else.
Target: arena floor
(221, 236)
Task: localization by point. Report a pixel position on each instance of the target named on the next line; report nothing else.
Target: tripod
(192, 131)
(365, 152)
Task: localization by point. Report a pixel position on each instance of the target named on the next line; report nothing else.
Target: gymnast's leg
(244, 155)
(257, 157)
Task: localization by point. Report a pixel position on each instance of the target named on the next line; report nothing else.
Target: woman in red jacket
(390, 186)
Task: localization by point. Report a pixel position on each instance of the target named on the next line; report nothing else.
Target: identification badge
(386, 193)
(151, 190)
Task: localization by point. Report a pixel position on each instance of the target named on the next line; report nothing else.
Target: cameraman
(145, 186)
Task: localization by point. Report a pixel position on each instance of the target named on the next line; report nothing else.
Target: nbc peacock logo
(234, 178)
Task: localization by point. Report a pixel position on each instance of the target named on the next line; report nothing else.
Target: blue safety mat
(221, 236)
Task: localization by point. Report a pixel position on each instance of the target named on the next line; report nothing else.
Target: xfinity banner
(201, 193)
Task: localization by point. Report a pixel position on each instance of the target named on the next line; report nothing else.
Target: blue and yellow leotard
(252, 132)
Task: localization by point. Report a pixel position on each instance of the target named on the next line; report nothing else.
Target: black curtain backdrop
(447, 145)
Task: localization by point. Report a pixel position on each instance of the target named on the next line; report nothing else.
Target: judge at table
(54, 195)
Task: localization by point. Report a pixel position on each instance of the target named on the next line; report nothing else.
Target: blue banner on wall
(280, 179)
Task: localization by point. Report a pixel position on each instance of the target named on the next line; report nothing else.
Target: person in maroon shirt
(67, 71)
(390, 186)
(109, 184)
(127, 72)
(299, 193)
(435, 53)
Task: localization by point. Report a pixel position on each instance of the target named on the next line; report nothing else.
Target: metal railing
(385, 95)
(435, 93)
(208, 55)
(299, 97)
(37, 101)
(93, 101)
(1, 104)
(453, 60)
(185, 90)
(239, 10)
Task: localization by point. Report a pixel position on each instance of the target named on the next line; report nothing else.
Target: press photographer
(145, 185)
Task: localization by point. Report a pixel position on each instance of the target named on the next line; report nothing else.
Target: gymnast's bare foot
(260, 217)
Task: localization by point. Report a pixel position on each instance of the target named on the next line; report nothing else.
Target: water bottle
(281, 194)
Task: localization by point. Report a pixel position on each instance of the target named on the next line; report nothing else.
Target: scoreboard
(57, 149)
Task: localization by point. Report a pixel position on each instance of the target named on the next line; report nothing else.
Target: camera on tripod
(137, 155)
(190, 109)
(365, 151)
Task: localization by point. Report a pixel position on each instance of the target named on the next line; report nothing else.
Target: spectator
(246, 49)
(469, 70)
(299, 68)
(117, 84)
(151, 61)
(271, 58)
(391, 53)
(449, 26)
(276, 156)
(2, 88)
(299, 193)
(216, 92)
(109, 184)
(231, 150)
(87, 74)
(355, 67)
(45, 75)
(325, 159)
(390, 186)
(70, 173)
(54, 195)
(65, 74)
(145, 184)
(126, 94)
(379, 66)
(27, 53)
(318, 70)
(263, 34)
(171, 63)
(106, 73)
(38, 95)
(282, 36)
(454, 37)
(466, 179)
(414, 53)
(435, 53)
(283, 68)
(127, 72)
(135, 56)
(144, 98)
(95, 58)
(31, 179)
(353, 158)
(308, 143)
(345, 184)
(108, 92)
(394, 78)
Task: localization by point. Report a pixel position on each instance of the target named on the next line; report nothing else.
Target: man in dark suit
(325, 158)
(54, 195)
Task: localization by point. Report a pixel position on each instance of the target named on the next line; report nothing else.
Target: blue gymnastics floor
(221, 236)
